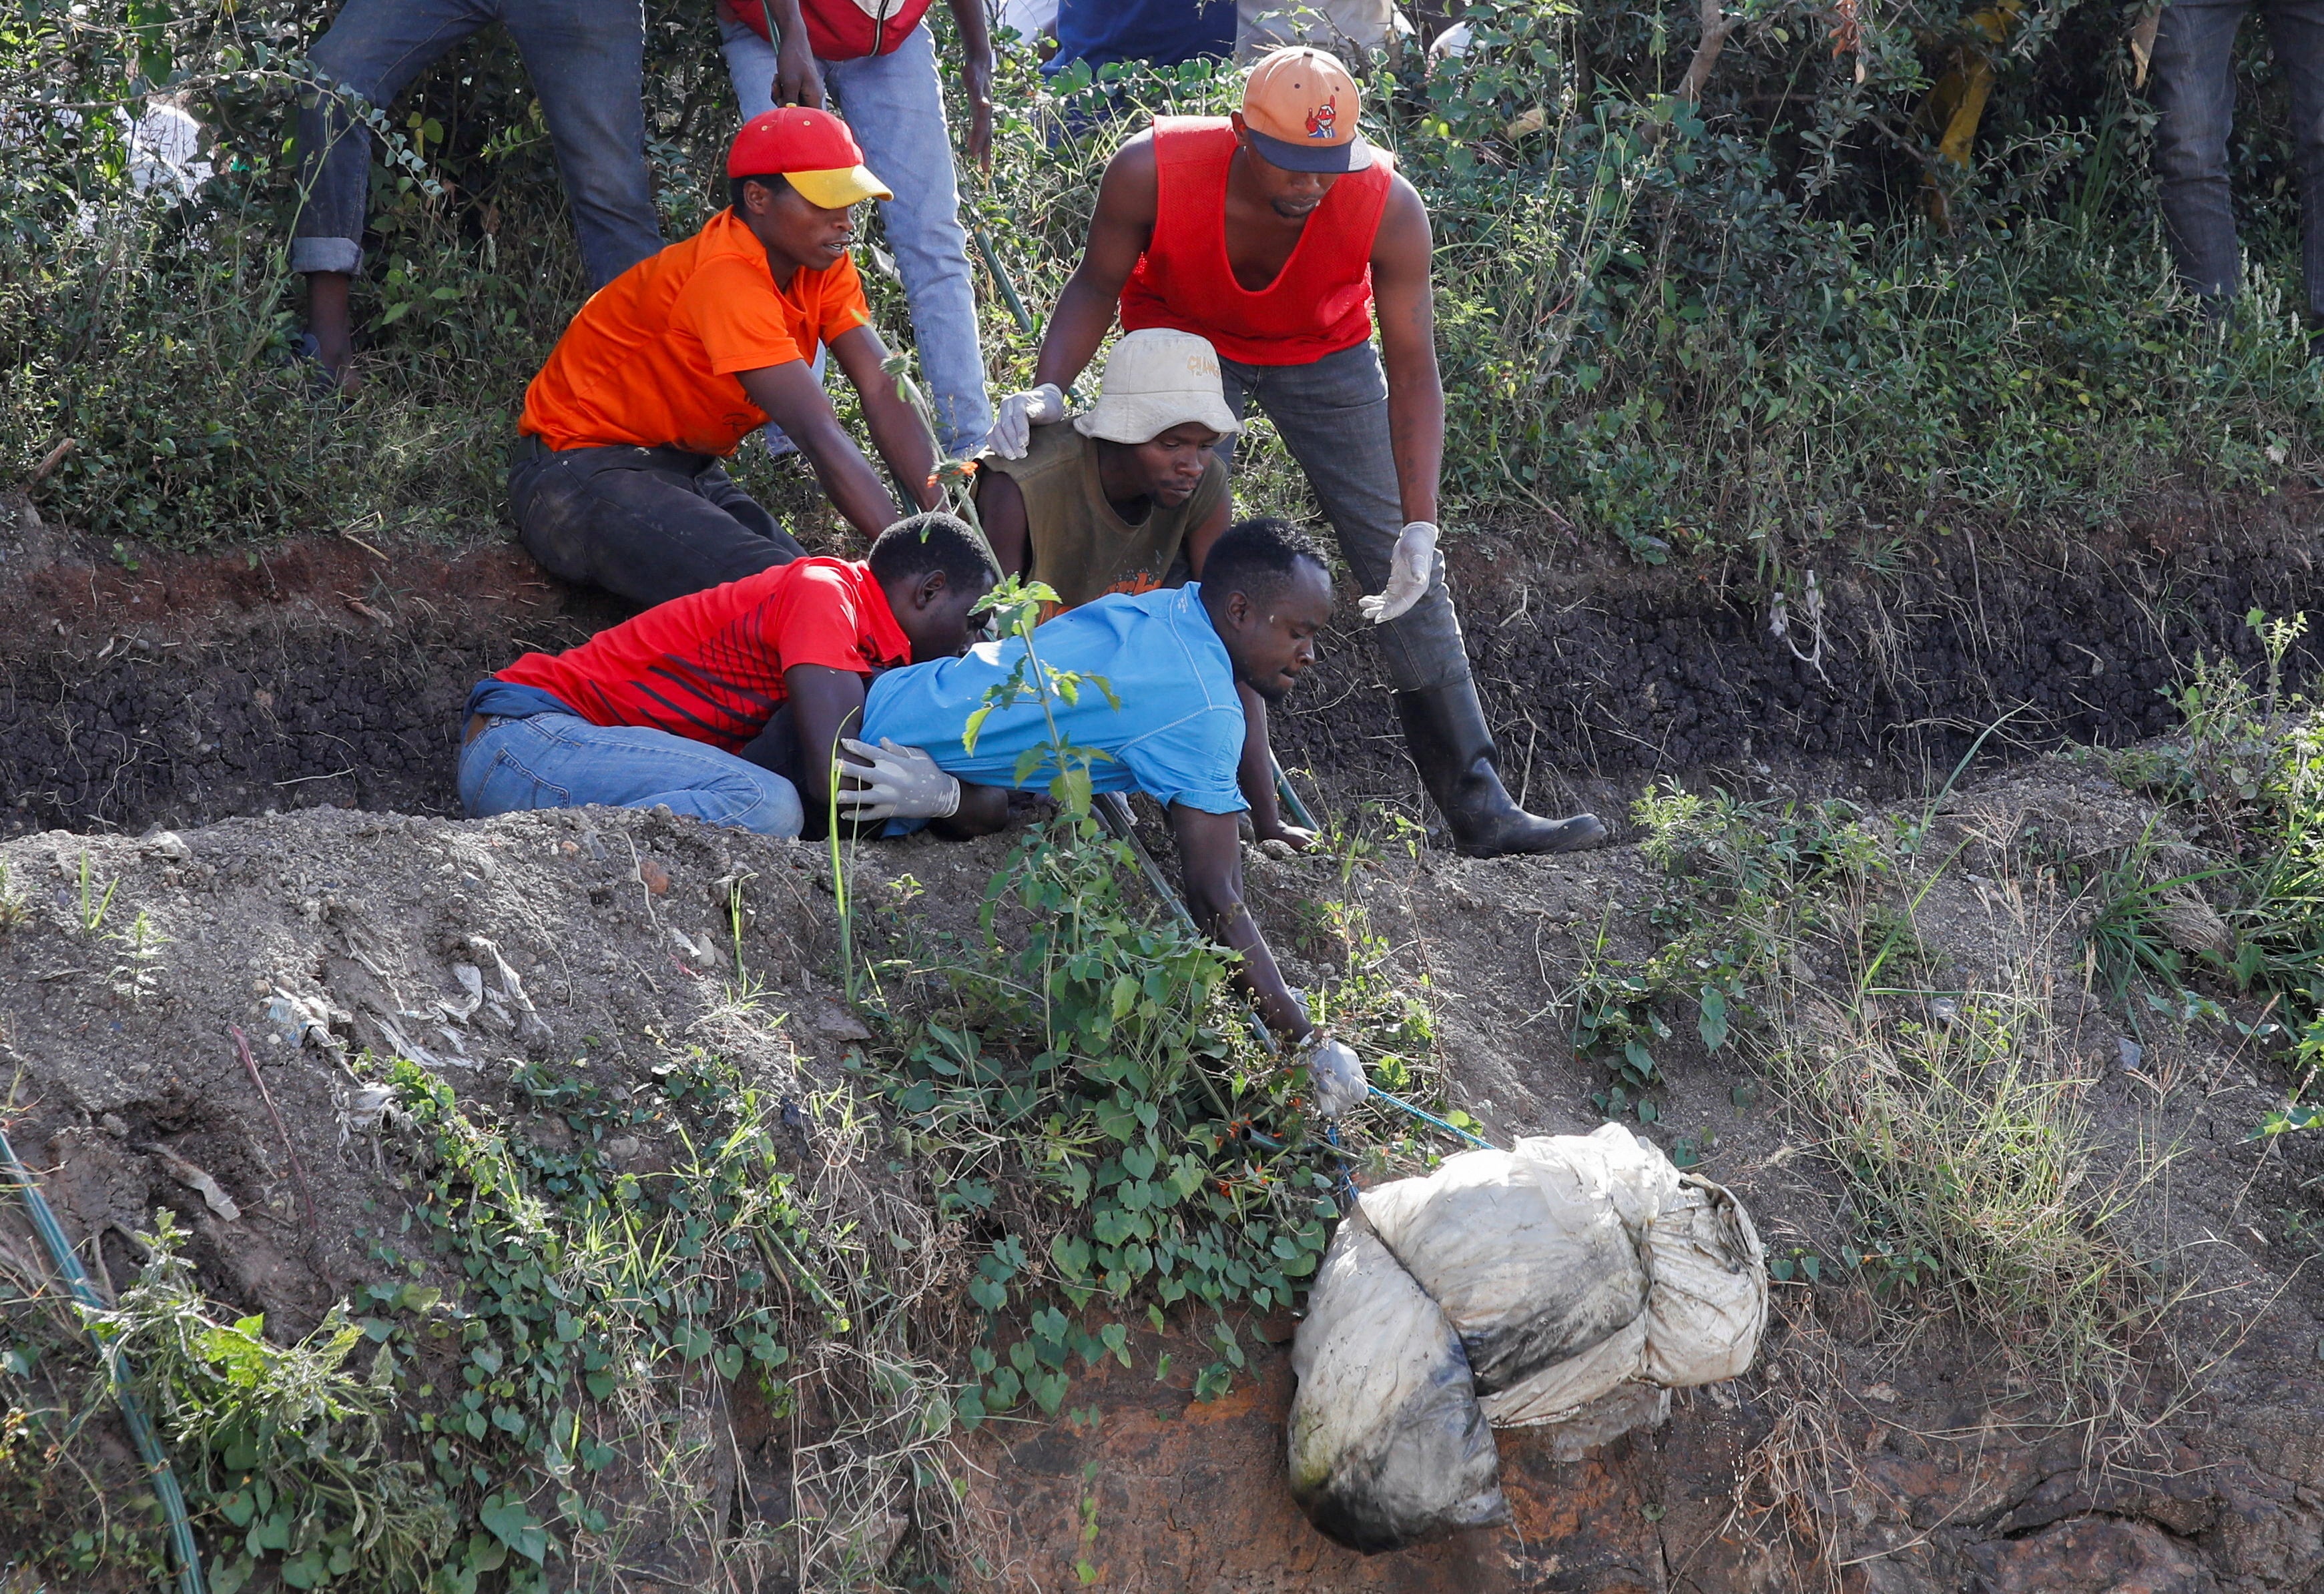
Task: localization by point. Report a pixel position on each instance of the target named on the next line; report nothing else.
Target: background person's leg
(558, 760)
(606, 518)
(723, 490)
(374, 49)
(2296, 29)
(587, 59)
(894, 104)
(2194, 95)
(749, 66)
(1332, 415)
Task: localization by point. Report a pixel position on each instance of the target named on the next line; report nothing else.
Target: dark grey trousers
(1332, 415)
(2194, 93)
(646, 524)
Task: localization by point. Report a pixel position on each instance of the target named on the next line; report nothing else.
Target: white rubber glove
(902, 783)
(1410, 570)
(1013, 428)
(1339, 1078)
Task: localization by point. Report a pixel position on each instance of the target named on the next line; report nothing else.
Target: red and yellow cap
(811, 150)
(1300, 107)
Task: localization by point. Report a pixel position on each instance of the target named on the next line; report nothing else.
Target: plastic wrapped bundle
(1388, 1444)
(1573, 1282)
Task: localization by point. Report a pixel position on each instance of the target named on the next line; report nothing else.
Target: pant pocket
(507, 786)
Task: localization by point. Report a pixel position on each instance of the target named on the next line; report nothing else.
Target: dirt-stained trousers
(1332, 415)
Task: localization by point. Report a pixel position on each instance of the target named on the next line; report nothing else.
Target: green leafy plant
(1091, 1108)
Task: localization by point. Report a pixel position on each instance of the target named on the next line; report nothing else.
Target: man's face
(1272, 642)
(934, 613)
(1292, 195)
(1173, 463)
(809, 235)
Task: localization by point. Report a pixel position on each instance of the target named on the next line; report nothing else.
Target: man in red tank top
(1277, 233)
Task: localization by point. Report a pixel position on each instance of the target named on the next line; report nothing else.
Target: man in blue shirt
(1159, 33)
(1172, 727)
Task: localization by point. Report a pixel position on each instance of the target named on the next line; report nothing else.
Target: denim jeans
(2194, 93)
(561, 760)
(586, 58)
(647, 524)
(1332, 415)
(894, 104)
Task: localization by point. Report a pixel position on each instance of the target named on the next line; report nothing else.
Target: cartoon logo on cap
(1324, 122)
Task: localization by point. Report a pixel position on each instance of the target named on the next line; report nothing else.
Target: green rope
(140, 1430)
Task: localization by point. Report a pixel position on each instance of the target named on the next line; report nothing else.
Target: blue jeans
(586, 58)
(2194, 93)
(894, 104)
(561, 760)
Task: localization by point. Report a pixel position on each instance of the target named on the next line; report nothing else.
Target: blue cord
(1426, 1116)
(133, 1413)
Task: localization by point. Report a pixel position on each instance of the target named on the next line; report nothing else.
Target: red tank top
(1320, 303)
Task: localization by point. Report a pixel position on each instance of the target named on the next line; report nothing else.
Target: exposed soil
(324, 672)
(326, 676)
(1910, 1465)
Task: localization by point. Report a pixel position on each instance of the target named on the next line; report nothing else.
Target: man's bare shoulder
(1133, 162)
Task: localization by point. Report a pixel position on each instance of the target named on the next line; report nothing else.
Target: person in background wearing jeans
(586, 58)
(706, 702)
(616, 482)
(877, 62)
(2195, 94)
(1269, 232)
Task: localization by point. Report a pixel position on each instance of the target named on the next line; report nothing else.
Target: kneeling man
(616, 482)
(1171, 726)
(1127, 498)
(724, 703)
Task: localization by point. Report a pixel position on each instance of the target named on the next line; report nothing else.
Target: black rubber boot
(1444, 730)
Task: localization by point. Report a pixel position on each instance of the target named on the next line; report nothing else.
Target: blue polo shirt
(1177, 736)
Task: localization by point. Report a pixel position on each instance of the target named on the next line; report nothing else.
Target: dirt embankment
(1852, 1458)
(325, 672)
(326, 676)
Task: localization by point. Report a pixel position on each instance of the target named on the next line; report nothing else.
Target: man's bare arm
(794, 402)
(826, 705)
(897, 432)
(1000, 506)
(1407, 329)
(1210, 856)
(798, 80)
(1118, 234)
(975, 77)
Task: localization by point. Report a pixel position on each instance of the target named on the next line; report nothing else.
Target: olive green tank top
(1076, 542)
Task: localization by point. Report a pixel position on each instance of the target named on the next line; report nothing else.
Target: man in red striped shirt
(1274, 233)
(724, 704)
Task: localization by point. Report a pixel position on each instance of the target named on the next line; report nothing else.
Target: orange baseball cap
(1300, 107)
(812, 151)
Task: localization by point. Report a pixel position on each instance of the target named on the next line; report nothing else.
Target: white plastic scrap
(213, 1193)
(363, 1111)
(299, 1020)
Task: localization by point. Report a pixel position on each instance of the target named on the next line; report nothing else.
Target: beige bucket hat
(1156, 378)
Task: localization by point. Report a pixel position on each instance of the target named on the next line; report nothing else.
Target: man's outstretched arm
(901, 438)
(1407, 332)
(1118, 234)
(794, 402)
(1210, 856)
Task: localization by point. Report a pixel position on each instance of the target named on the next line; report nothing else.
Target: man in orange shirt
(616, 483)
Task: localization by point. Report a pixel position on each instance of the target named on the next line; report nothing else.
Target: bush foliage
(1774, 316)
